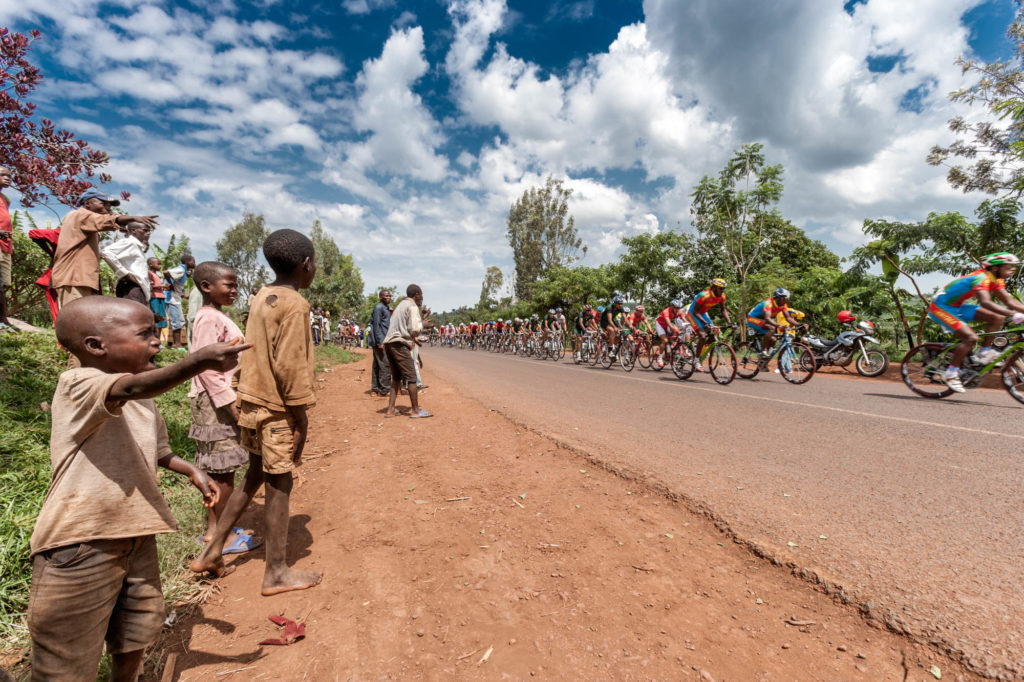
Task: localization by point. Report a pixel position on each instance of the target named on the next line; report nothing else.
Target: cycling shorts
(951, 318)
(756, 325)
(699, 320)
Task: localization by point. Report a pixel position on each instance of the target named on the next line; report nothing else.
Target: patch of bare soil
(465, 547)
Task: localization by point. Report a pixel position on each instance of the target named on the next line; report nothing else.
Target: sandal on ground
(422, 414)
(242, 544)
(237, 530)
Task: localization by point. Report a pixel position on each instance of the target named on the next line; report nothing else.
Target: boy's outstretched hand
(206, 486)
(221, 357)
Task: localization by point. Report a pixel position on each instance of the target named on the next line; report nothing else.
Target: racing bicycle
(923, 366)
(795, 360)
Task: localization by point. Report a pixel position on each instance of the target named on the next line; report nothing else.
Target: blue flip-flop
(422, 414)
(237, 530)
(242, 544)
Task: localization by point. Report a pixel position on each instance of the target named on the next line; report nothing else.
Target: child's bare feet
(290, 579)
(214, 567)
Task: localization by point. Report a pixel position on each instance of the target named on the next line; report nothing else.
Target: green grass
(29, 367)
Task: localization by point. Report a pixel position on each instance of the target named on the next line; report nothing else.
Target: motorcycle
(840, 351)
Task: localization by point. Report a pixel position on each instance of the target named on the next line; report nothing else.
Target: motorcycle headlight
(866, 326)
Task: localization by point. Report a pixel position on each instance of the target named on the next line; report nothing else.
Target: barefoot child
(275, 387)
(95, 574)
(214, 416)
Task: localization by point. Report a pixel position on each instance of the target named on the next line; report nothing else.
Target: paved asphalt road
(912, 506)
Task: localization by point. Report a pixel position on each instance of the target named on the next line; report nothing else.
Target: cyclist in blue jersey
(952, 314)
(761, 319)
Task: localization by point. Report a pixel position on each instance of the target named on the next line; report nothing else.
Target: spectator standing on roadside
(6, 247)
(405, 326)
(380, 377)
(127, 257)
(157, 297)
(178, 279)
(76, 263)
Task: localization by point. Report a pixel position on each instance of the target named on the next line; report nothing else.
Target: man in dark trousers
(379, 320)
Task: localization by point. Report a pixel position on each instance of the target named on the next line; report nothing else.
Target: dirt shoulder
(464, 546)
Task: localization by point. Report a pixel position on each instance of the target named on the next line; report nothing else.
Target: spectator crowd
(249, 394)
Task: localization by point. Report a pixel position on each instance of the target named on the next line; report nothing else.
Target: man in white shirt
(127, 257)
(406, 324)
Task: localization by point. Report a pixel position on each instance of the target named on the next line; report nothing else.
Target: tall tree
(241, 247)
(542, 234)
(491, 287)
(735, 209)
(338, 284)
(991, 151)
(652, 265)
(44, 160)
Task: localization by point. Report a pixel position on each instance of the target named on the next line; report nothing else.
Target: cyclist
(562, 323)
(949, 311)
(584, 322)
(608, 323)
(762, 319)
(637, 321)
(669, 324)
(697, 314)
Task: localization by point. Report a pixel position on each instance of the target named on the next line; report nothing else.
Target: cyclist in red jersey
(667, 325)
(637, 321)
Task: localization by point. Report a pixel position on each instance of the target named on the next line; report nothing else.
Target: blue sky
(408, 128)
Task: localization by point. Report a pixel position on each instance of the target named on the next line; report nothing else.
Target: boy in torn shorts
(95, 575)
(275, 386)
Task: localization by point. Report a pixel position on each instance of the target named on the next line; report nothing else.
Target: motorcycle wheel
(747, 359)
(872, 363)
(922, 369)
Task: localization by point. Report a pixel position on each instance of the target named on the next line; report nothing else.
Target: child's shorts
(268, 433)
(88, 593)
(218, 449)
(159, 308)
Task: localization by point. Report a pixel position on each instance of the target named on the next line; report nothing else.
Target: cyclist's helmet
(500, 320)
(677, 303)
(558, 310)
(617, 300)
(1001, 258)
(718, 282)
(587, 308)
(781, 293)
(534, 315)
(639, 308)
(626, 309)
(551, 311)
(845, 316)
(600, 308)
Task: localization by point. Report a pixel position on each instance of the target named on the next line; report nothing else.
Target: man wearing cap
(76, 264)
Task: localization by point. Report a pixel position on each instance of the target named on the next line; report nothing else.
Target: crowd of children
(95, 575)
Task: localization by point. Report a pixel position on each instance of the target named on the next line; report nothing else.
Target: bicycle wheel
(796, 363)
(606, 356)
(561, 349)
(922, 369)
(722, 363)
(596, 352)
(683, 361)
(643, 354)
(747, 359)
(1013, 376)
(627, 355)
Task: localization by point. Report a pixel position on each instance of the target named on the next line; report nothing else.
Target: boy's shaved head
(93, 316)
(211, 271)
(285, 250)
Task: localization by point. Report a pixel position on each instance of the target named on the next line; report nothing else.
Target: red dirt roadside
(467, 547)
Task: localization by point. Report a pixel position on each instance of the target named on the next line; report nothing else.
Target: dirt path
(550, 568)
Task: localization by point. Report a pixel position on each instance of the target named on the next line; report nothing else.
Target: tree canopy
(338, 283)
(241, 247)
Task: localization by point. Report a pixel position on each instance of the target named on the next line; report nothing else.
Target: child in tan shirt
(275, 387)
(95, 574)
